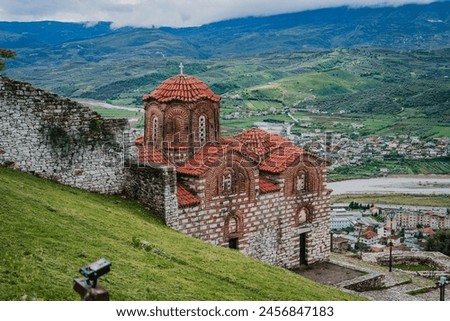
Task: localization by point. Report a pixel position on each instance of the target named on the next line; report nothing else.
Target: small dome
(259, 141)
(182, 88)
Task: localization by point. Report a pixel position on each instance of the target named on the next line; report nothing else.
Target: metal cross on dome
(181, 68)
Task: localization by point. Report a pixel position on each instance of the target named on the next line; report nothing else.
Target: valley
(390, 81)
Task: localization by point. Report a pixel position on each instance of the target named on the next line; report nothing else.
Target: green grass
(390, 92)
(117, 113)
(48, 231)
(419, 291)
(413, 267)
(440, 131)
(401, 199)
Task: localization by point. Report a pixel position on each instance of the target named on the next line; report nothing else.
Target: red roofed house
(255, 192)
(370, 238)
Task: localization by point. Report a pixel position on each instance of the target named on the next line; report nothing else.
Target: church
(255, 192)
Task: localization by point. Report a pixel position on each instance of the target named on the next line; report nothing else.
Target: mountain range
(407, 27)
(369, 60)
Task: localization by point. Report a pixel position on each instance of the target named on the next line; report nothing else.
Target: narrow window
(155, 129)
(202, 130)
(226, 183)
(301, 183)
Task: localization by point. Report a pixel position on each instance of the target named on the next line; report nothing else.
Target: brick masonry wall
(265, 223)
(59, 139)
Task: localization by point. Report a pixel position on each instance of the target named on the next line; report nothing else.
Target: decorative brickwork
(186, 114)
(256, 191)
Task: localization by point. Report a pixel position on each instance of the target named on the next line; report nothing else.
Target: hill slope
(48, 231)
(404, 27)
(408, 27)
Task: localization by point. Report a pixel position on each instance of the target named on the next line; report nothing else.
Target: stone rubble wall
(55, 138)
(155, 186)
(436, 260)
(364, 283)
(368, 282)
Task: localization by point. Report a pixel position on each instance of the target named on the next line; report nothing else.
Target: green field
(397, 199)
(48, 231)
(413, 267)
(117, 113)
(400, 166)
(387, 91)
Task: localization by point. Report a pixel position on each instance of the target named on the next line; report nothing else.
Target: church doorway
(303, 249)
(233, 243)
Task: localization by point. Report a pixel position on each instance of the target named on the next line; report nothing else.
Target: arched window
(241, 183)
(202, 130)
(232, 225)
(301, 182)
(233, 230)
(227, 182)
(303, 216)
(155, 129)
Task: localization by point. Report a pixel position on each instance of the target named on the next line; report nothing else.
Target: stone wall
(374, 281)
(368, 282)
(436, 260)
(59, 139)
(155, 186)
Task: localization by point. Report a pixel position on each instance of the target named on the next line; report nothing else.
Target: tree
(439, 242)
(8, 54)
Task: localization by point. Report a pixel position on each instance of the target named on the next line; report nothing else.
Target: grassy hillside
(389, 92)
(48, 231)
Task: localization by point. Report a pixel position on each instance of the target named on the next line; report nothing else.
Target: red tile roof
(270, 152)
(185, 198)
(151, 154)
(259, 141)
(369, 235)
(427, 230)
(377, 248)
(210, 155)
(182, 88)
(279, 160)
(203, 159)
(139, 140)
(266, 186)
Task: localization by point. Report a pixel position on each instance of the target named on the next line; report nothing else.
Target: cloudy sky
(175, 13)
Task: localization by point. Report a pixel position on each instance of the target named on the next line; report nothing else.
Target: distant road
(92, 103)
(414, 184)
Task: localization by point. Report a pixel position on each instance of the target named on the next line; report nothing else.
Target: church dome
(182, 88)
(259, 141)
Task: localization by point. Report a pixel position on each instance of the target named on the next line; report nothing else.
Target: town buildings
(415, 219)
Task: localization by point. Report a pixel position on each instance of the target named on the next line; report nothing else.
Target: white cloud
(176, 13)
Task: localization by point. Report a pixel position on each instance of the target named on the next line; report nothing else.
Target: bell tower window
(155, 129)
(301, 182)
(202, 130)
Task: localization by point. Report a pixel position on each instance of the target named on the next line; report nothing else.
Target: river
(416, 184)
